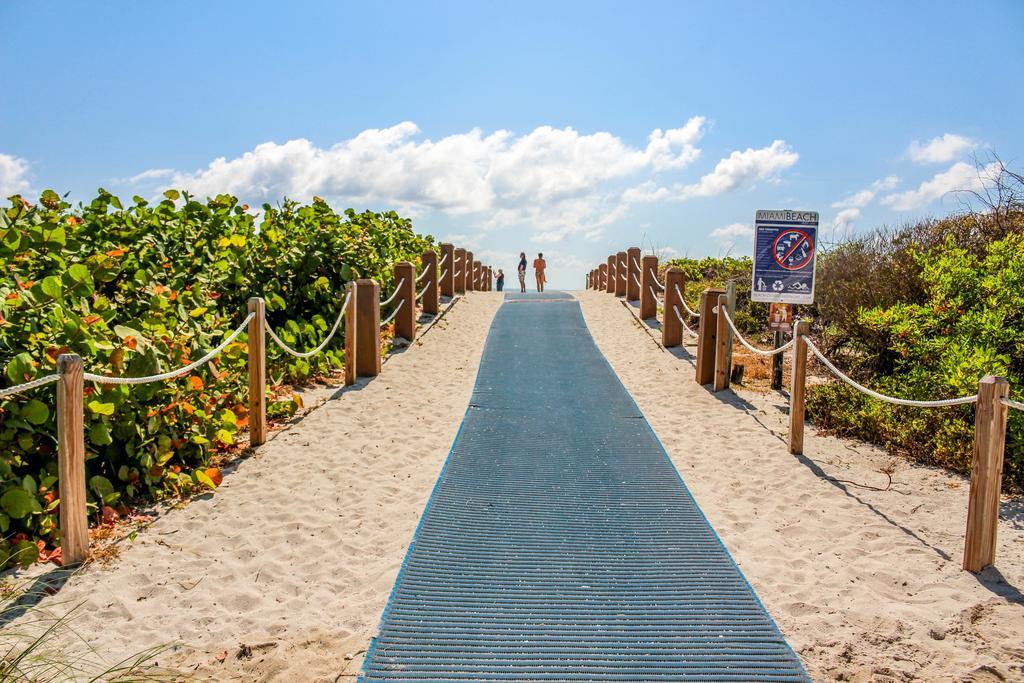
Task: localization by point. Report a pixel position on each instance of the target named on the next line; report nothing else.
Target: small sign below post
(780, 318)
(785, 250)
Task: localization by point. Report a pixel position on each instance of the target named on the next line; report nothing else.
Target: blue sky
(576, 129)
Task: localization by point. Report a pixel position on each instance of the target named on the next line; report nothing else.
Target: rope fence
(360, 305)
(714, 344)
(309, 354)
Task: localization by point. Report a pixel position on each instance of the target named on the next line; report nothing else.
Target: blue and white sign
(785, 246)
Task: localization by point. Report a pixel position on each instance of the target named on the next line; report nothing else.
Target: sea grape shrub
(146, 288)
(968, 323)
(751, 318)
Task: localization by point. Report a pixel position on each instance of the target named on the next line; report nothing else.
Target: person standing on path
(539, 264)
(522, 271)
(501, 279)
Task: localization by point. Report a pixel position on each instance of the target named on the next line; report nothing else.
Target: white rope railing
(423, 275)
(443, 260)
(1010, 403)
(19, 388)
(653, 293)
(661, 287)
(683, 302)
(739, 337)
(882, 397)
(103, 379)
(424, 290)
(309, 354)
(622, 276)
(635, 264)
(458, 273)
(679, 316)
(633, 275)
(443, 274)
(393, 313)
(398, 288)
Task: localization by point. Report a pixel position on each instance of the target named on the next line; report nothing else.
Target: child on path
(539, 264)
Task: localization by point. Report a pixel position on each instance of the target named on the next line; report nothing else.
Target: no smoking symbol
(793, 249)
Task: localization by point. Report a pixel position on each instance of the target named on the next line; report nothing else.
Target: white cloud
(961, 176)
(555, 179)
(13, 175)
(859, 200)
(732, 172)
(843, 222)
(151, 174)
(941, 149)
(742, 167)
(732, 232)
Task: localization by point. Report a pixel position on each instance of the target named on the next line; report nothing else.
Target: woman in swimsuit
(522, 271)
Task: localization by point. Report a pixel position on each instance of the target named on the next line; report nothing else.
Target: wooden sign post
(797, 392)
(723, 340)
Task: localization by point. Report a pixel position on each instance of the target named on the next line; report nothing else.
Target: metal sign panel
(785, 250)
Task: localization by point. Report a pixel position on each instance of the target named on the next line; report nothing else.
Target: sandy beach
(865, 584)
(283, 573)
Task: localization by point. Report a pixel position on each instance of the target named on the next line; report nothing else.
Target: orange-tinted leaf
(215, 475)
(131, 342)
(116, 252)
(196, 382)
(91, 319)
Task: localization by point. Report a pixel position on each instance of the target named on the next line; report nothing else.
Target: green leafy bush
(142, 289)
(967, 322)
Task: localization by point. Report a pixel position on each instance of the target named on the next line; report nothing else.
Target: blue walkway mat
(560, 543)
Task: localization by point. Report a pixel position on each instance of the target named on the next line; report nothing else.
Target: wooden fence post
(257, 372)
(490, 278)
(621, 273)
(74, 519)
(610, 284)
(723, 340)
(405, 319)
(648, 299)
(350, 333)
(367, 328)
(602, 276)
(458, 268)
(730, 296)
(467, 272)
(986, 473)
(671, 328)
(633, 274)
(798, 390)
(707, 333)
(431, 297)
(478, 284)
(448, 281)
